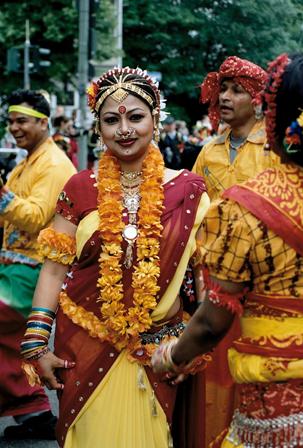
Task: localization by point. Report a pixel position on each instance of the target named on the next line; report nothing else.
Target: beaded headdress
(120, 83)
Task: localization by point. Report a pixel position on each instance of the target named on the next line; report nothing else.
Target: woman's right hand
(48, 364)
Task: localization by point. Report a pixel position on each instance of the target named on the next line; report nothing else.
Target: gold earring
(156, 134)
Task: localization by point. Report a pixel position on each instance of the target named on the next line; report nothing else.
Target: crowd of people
(171, 268)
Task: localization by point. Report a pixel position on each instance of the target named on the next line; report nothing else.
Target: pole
(26, 57)
(119, 29)
(83, 78)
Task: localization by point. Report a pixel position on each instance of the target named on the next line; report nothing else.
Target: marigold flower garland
(123, 324)
(57, 246)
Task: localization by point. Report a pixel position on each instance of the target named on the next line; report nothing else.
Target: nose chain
(124, 135)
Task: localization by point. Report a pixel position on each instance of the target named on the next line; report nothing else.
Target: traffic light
(36, 58)
(14, 60)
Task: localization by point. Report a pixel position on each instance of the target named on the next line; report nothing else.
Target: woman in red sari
(120, 244)
(252, 251)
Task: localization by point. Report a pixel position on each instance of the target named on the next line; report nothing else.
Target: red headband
(250, 76)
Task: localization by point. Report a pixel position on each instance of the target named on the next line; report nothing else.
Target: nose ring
(124, 135)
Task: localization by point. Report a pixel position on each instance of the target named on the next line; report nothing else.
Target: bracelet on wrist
(38, 330)
(163, 358)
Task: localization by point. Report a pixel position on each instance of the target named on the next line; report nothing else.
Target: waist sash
(277, 332)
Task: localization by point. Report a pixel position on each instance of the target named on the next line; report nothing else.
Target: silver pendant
(132, 203)
(130, 232)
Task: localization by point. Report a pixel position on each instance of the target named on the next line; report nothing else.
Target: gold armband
(56, 246)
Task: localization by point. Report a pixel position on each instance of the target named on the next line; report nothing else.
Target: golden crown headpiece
(121, 84)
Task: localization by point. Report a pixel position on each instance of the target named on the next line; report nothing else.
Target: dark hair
(289, 105)
(33, 98)
(58, 120)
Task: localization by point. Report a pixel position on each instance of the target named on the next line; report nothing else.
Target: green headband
(27, 111)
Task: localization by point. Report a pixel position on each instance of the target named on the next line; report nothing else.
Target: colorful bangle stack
(39, 327)
(162, 360)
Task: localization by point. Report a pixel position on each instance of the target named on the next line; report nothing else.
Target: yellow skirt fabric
(119, 413)
(227, 444)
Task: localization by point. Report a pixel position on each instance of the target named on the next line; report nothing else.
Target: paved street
(6, 421)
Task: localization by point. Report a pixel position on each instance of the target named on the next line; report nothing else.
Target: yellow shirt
(36, 183)
(214, 165)
(238, 247)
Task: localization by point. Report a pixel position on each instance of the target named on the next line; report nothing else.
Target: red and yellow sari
(112, 396)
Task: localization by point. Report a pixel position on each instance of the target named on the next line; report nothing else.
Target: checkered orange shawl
(249, 75)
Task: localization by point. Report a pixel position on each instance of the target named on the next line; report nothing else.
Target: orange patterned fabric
(276, 197)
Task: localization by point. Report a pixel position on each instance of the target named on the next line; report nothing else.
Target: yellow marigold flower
(110, 293)
(145, 285)
(146, 268)
(112, 309)
(145, 252)
(139, 323)
(119, 325)
(147, 300)
(109, 280)
(112, 249)
(110, 263)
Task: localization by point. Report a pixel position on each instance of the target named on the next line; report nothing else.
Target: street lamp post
(26, 56)
(83, 78)
(119, 29)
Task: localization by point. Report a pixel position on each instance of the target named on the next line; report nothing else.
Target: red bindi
(122, 109)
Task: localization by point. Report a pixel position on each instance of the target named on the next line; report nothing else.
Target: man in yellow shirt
(27, 205)
(240, 152)
(233, 156)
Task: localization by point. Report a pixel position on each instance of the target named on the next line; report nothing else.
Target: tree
(184, 39)
(53, 26)
(47, 29)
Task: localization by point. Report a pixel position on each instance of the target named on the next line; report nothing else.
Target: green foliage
(105, 22)
(185, 39)
(52, 26)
